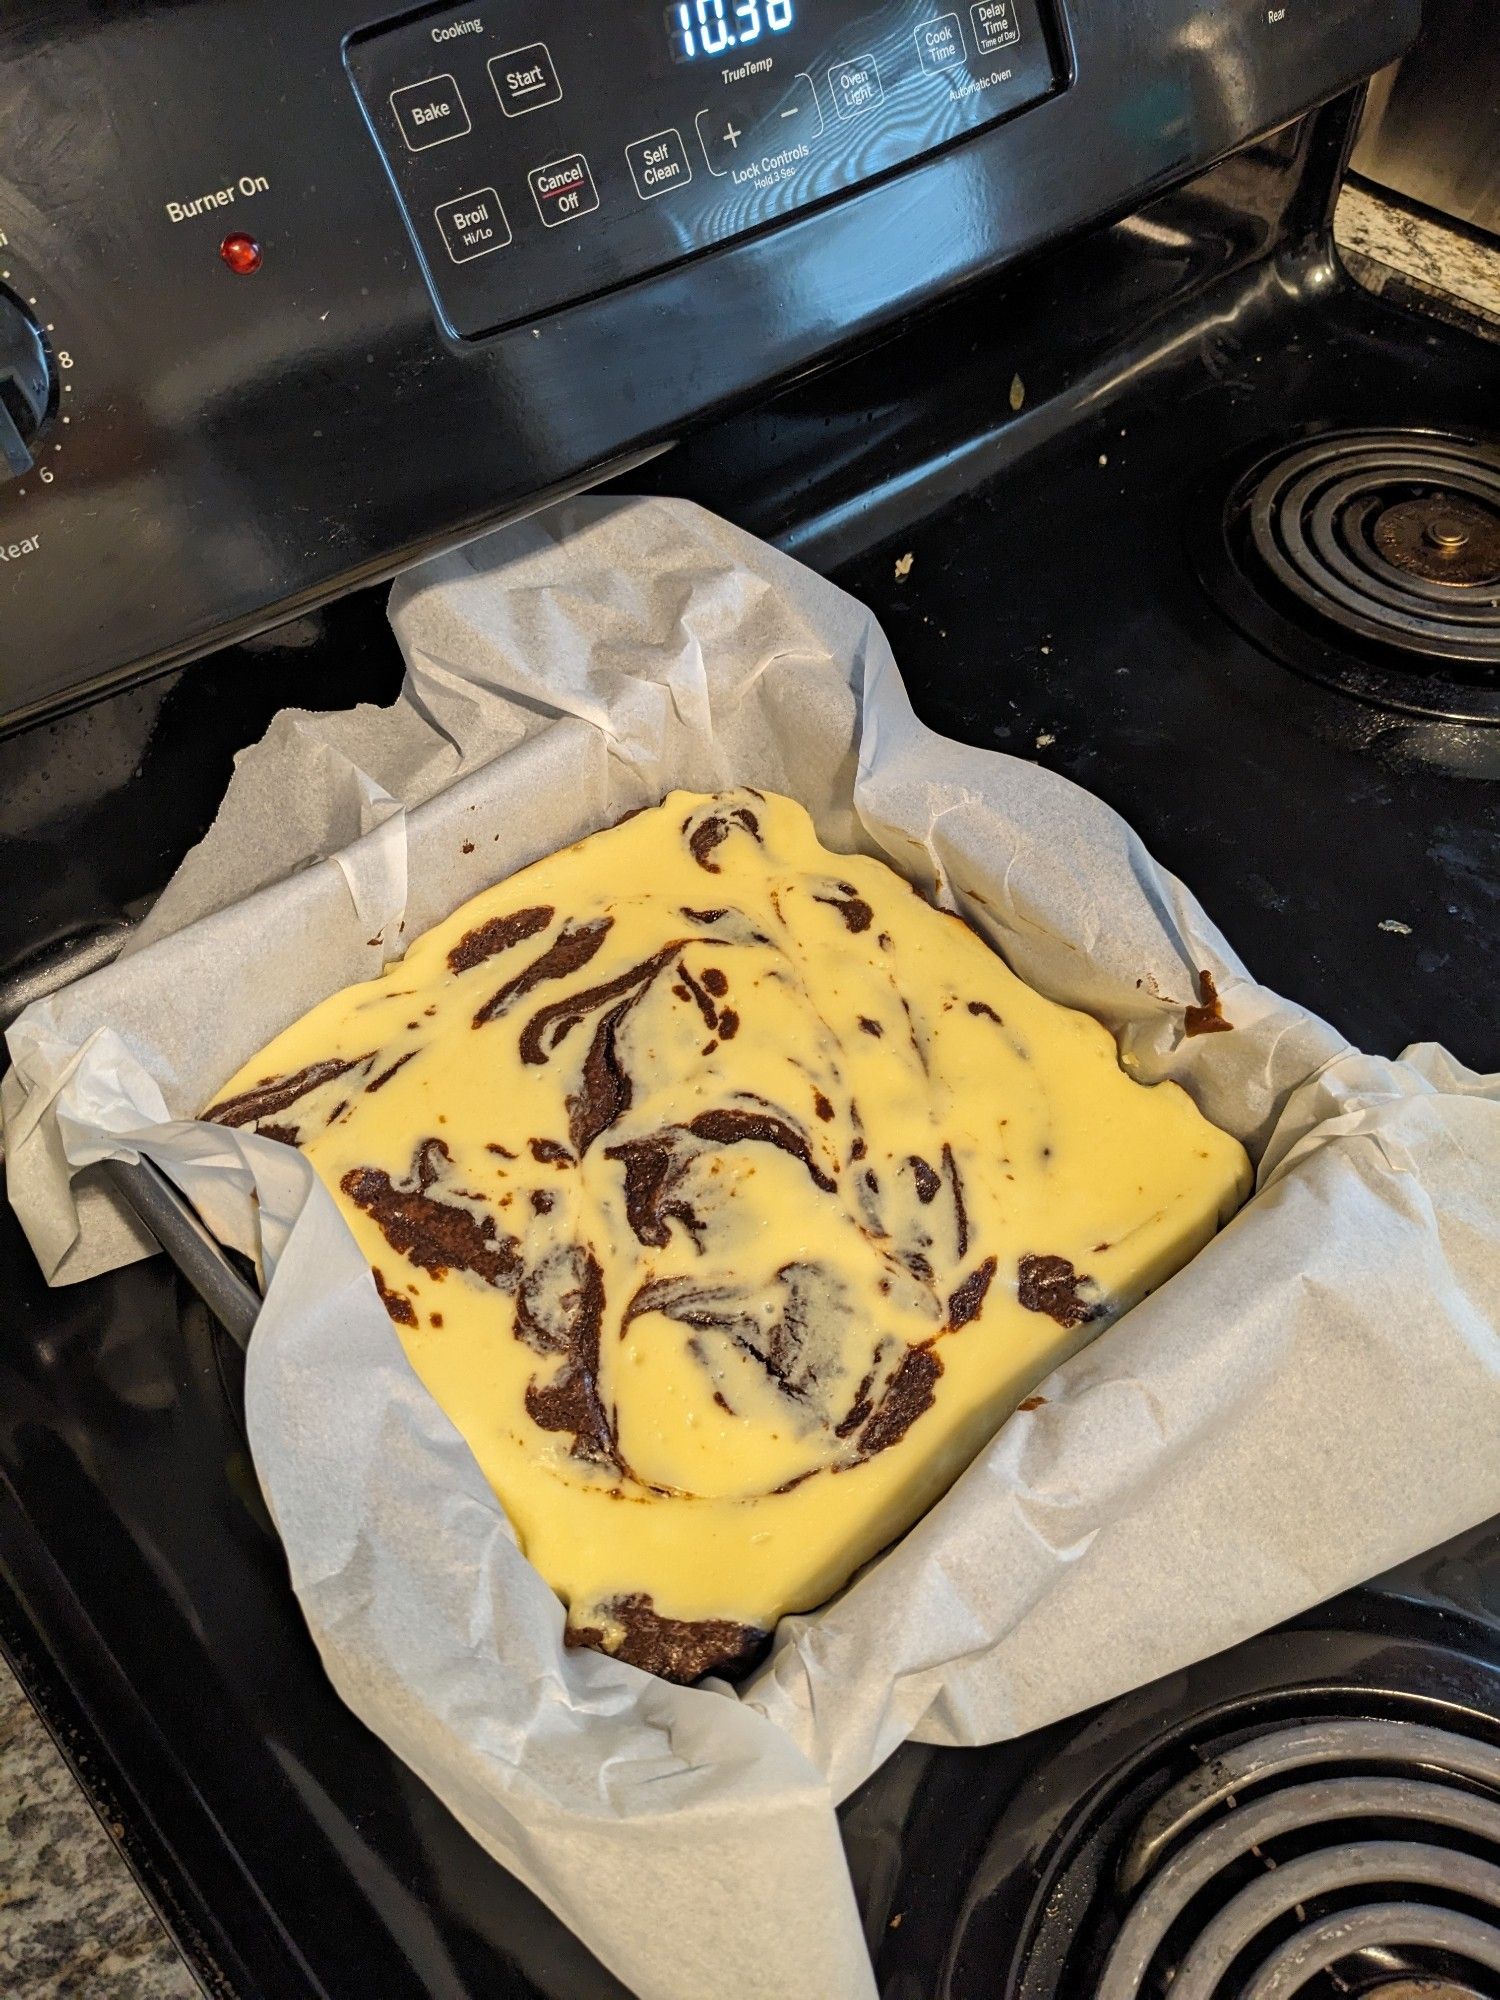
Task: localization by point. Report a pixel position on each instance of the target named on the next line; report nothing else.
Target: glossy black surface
(530, 178)
(229, 449)
(1052, 608)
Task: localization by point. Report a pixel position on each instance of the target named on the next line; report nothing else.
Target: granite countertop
(73, 1923)
(1418, 261)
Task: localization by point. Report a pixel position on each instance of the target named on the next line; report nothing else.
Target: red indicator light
(241, 253)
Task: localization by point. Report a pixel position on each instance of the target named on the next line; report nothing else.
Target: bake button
(563, 190)
(430, 112)
(659, 164)
(995, 25)
(940, 43)
(856, 86)
(473, 225)
(525, 79)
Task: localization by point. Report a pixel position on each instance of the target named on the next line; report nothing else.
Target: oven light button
(856, 86)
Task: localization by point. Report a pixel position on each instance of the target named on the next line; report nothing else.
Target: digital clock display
(709, 27)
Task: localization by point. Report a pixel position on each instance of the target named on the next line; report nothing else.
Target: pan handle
(174, 1223)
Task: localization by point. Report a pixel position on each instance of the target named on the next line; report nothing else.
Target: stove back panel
(222, 448)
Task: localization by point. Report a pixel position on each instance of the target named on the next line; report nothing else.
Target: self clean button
(658, 164)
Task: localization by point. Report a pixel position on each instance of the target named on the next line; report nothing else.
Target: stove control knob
(25, 385)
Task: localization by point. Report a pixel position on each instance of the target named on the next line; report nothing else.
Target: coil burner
(1370, 560)
(1347, 1848)
(1364, 1851)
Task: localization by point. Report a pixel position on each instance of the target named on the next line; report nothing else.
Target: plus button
(732, 135)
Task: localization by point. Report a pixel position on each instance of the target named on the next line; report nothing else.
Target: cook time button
(430, 112)
(563, 190)
(473, 225)
(940, 43)
(658, 164)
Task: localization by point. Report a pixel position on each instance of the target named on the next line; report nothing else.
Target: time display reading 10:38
(708, 27)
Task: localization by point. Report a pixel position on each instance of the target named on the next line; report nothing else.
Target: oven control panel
(295, 292)
(543, 154)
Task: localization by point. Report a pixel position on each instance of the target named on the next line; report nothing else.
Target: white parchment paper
(1316, 1396)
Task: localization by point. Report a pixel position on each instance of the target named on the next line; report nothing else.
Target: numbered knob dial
(25, 385)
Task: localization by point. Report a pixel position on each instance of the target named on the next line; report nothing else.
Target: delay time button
(430, 112)
(563, 190)
(658, 164)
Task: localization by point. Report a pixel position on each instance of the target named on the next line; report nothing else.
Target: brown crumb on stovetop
(1207, 1018)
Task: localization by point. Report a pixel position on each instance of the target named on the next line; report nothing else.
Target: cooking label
(13, 551)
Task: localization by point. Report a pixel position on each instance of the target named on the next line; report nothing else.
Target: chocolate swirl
(717, 1190)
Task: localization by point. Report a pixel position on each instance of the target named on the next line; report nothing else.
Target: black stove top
(1071, 457)
(1331, 1789)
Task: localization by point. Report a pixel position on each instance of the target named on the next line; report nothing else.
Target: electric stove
(1068, 383)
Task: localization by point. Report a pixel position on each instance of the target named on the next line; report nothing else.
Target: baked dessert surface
(727, 1197)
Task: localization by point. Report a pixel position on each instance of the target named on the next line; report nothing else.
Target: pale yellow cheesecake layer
(728, 1197)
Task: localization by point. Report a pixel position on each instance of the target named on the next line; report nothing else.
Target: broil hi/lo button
(473, 225)
(563, 190)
